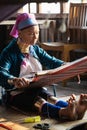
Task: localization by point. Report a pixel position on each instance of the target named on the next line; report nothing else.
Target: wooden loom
(48, 77)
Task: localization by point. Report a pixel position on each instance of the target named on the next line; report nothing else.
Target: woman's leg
(54, 111)
(69, 112)
(51, 99)
(47, 109)
(74, 111)
(82, 105)
(58, 102)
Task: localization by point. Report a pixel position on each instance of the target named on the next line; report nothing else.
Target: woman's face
(30, 35)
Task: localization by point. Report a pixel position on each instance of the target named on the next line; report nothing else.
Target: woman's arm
(46, 60)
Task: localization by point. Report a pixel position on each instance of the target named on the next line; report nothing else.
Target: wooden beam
(51, 16)
(29, 1)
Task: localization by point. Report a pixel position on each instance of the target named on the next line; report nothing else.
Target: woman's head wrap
(23, 20)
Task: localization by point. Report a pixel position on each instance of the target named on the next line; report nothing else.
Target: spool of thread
(32, 119)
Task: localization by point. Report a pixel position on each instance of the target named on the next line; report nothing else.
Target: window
(33, 7)
(50, 7)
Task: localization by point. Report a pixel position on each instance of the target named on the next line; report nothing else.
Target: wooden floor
(12, 117)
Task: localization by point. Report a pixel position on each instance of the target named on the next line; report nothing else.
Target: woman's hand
(21, 82)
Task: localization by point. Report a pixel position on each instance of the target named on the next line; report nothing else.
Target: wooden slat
(78, 15)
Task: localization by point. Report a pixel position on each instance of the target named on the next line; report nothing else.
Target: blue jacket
(11, 58)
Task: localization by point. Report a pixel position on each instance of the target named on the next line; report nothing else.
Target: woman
(22, 57)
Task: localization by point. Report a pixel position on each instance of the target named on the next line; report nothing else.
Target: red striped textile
(67, 71)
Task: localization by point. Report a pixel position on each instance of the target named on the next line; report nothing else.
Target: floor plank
(14, 116)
